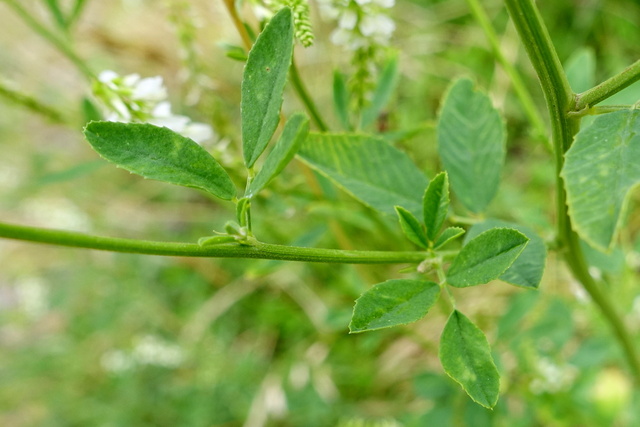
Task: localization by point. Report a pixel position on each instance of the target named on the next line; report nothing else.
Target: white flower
(149, 89)
(348, 20)
(151, 350)
(380, 27)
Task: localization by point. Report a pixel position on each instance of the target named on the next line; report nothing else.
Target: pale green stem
(30, 103)
(519, 87)
(255, 249)
(62, 45)
(560, 102)
(608, 87)
(301, 90)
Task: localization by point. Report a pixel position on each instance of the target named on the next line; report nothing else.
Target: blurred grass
(90, 338)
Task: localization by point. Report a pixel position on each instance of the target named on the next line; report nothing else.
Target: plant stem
(62, 45)
(244, 34)
(300, 89)
(560, 102)
(31, 103)
(516, 80)
(256, 249)
(608, 87)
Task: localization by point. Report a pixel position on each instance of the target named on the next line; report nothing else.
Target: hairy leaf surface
(161, 154)
(263, 81)
(392, 303)
(600, 170)
(471, 143)
(368, 168)
(466, 357)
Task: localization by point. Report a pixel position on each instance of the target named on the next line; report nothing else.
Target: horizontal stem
(229, 250)
(608, 87)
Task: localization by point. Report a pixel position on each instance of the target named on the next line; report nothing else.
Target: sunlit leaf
(436, 204)
(411, 227)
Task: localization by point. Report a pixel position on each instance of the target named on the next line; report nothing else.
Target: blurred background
(92, 338)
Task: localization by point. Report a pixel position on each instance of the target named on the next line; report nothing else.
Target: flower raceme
(131, 98)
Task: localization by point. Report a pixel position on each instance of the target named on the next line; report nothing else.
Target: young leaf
(295, 131)
(215, 240)
(486, 257)
(436, 204)
(448, 235)
(466, 357)
(411, 227)
(263, 84)
(341, 99)
(159, 153)
(392, 303)
(471, 143)
(527, 269)
(382, 93)
(600, 170)
(368, 168)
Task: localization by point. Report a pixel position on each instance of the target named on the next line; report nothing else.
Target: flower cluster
(361, 23)
(131, 98)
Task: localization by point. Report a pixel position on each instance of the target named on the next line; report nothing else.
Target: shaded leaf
(392, 303)
(436, 204)
(341, 99)
(471, 143)
(411, 227)
(295, 131)
(600, 170)
(466, 357)
(448, 235)
(486, 257)
(581, 69)
(368, 168)
(263, 82)
(528, 268)
(159, 153)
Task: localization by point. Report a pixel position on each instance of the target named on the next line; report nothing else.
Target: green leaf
(263, 83)
(471, 143)
(436, 204)
(392, 303)
(384, 89)
(159, 153)
(600, 171)
(527, 269)
(215, 240)
(295, 131)
(411, 227)
(368, 168)
(341, 99)
(448, 235)
(486, 257)
(466, 357)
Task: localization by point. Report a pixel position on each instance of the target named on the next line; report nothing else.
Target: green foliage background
(266, 343)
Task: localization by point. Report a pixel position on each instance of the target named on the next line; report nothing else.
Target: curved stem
(257, 250)
(608, 87)
(62, 45)
(516, 80)
(560, 102)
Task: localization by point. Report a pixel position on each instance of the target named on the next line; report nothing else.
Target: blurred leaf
(161, 154)
(89, 111)
(612, 262)
(392, 303)
(471, 143)
(448, 235)
(436, 204)
(528, 268)
(341, 99)
(466, 357)
(234, 52)
(58, 16)
(486, 257)
(263, 81)
(295, 131)
(600, 170)
(411, 228)
(581, 69)
(382, 93)
(368, 168)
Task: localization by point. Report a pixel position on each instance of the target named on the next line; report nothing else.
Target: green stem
(608, 87)
(560, 102)
(62, 45)
(301, 90)
(516, 80)
(31, 103)
(229, 250)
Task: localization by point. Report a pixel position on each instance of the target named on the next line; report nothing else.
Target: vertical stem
(560, 102)
(298, 85)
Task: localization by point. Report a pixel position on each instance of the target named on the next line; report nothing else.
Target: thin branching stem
(608, 87)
